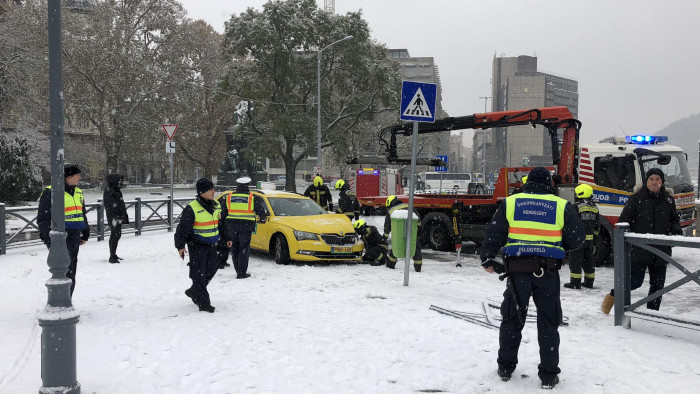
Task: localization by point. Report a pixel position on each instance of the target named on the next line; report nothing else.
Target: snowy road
(323, 329)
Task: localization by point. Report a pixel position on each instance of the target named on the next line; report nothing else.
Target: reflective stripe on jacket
(206, 225)
(73, 208)
(535, 225)
(240, 206)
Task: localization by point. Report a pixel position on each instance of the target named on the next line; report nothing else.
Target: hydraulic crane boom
(553, 118)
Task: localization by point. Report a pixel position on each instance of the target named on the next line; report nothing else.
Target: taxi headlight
(304, 236)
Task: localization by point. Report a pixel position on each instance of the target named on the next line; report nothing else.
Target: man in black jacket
(651, 210)
(199, 231)
(77, 228)
(535, 229)
(115, 208)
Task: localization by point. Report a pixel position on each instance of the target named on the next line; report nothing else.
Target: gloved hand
(330, 206)
(357, 216)
(498, 268)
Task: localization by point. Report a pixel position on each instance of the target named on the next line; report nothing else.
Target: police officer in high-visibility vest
(394, 204)
(240, 221)
(535, 229)
(199, 230)
(77, 229)
(590, 216)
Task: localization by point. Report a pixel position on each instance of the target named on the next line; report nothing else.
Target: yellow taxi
(298, 229)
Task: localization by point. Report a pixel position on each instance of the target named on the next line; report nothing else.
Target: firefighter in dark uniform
(394, 204)
(320, 193)
(77, 229)
(240, 222)
(347, 202)
(589, 214)
(535, 229)
(199, 230)
(376, 247)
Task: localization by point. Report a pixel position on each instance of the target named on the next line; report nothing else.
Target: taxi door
(261, 236)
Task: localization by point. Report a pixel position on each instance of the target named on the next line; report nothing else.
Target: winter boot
(391, 265)
(574, 284)
(190, 294)
(588, 283)
(608, 303)
(113, 259)
(417, 267)
(549, 384)
(504, 374)
(206, 308)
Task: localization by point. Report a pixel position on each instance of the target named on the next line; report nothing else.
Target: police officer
(77, 229)
(376, 247)
(394, 204)
(240, 222)
(199, 230)
(347, 202)
(320, 193)
(537, 228)
(589, 214)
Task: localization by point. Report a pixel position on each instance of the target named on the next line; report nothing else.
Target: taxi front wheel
(281, 250)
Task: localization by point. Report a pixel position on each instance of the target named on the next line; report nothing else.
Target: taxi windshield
(284, 206)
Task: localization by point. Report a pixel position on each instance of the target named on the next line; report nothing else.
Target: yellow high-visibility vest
(206, 225)
(535, 225)
(73, 208)
(240, 206)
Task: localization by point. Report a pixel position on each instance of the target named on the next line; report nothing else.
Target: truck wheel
(281, 252)
(437, 232)
(602, 250)
(480, 189)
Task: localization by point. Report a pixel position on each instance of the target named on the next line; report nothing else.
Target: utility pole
(483, 142)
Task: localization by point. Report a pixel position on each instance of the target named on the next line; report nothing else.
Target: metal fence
(150, 214)
(624, 308)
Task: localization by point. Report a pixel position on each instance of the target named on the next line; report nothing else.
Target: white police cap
(243, 180)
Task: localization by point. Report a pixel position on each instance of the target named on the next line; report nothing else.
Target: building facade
(517, 84)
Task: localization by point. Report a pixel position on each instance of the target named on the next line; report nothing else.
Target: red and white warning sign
(170, 130)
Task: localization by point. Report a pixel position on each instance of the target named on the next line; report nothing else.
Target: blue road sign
(418, 101)
(443, 158)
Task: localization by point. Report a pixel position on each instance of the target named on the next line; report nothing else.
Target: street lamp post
(483, 142)
(59, 318)
(318, 97)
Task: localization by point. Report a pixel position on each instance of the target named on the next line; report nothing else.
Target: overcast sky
(637, 62)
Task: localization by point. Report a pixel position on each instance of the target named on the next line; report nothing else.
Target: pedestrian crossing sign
(418, 101)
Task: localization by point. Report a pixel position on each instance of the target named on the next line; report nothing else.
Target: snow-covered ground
(324, 329)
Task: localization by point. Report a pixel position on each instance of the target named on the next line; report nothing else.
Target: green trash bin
(398, 241)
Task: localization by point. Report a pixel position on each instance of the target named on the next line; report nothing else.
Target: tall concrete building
(516, 84)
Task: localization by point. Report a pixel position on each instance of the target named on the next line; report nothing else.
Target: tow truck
(448, 220)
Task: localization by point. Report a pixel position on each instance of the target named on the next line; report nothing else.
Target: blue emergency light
(368, 171)
(645, 139)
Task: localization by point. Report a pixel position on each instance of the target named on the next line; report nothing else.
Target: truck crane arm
(553, 118)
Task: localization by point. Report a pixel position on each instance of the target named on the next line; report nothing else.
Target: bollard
(170, 213)
(3, 230)
(137, 214)
(622, 280)
(100, 221)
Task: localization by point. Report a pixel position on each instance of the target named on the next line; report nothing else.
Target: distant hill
(686, 134)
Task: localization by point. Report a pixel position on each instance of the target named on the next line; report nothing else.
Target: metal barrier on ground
(27, 231)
